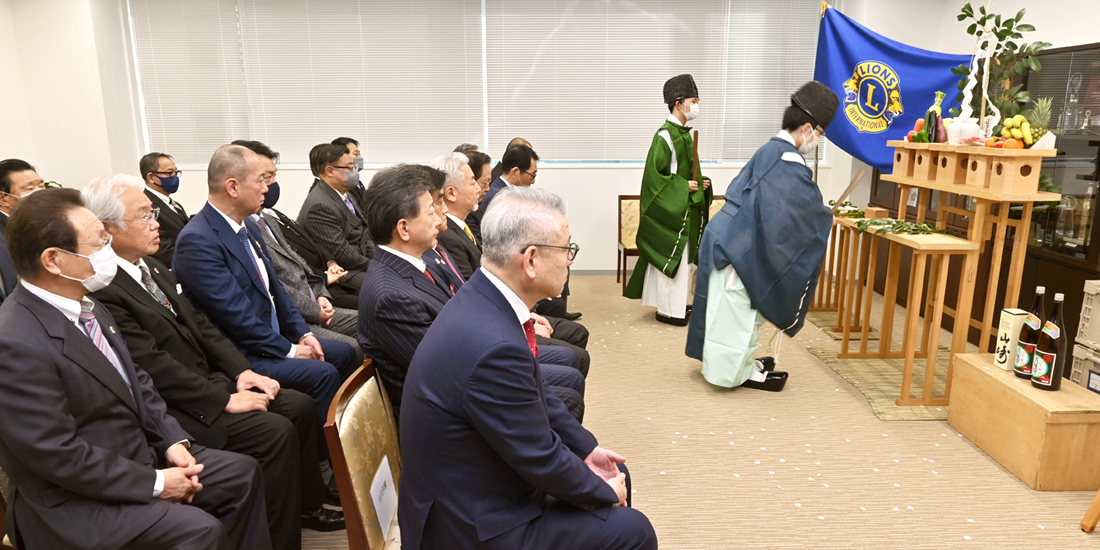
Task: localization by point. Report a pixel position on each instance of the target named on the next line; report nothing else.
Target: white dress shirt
(416, 262)
(461, 223)
(523, 313)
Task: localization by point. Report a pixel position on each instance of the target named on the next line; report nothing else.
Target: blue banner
(884, 86)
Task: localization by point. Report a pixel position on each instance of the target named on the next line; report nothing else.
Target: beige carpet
(811, 467)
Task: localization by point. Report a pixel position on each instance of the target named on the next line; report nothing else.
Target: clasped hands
(603, 463)
(334, 272)
(309, 348)
(181, 478)
(693, 185)
(245, 400)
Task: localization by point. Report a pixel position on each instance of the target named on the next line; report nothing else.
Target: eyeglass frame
(573, 249)
(148, 218)
(356, 168)
(169, 174)
(99, 246)
(533, 175)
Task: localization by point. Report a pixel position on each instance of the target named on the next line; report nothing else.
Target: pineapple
(1040, 118)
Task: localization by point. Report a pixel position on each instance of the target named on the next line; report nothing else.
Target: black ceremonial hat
(679, 88)
(818, 101)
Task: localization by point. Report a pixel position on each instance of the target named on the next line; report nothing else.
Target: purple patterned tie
(347, 201)
(91, 327)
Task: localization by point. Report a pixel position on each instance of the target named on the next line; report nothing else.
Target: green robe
(671, 216)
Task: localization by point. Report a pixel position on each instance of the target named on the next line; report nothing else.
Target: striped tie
(91, 327)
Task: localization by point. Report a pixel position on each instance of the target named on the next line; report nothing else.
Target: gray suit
(304, 287)
(82, 450)
(328, 220)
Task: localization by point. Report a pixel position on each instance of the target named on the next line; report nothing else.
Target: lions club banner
(884, 86)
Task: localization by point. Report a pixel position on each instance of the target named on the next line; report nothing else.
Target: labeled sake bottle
(1029, 335)
(1050, 351)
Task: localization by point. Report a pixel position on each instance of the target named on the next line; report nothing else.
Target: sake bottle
(1029, 335)
(1050, 351)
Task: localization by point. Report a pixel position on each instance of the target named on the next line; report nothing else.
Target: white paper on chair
(384, 495)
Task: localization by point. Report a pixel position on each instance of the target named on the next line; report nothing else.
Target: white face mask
(104, 263)
(808, 143)
(692, 112)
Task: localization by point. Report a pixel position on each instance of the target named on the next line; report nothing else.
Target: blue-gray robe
(774, 230)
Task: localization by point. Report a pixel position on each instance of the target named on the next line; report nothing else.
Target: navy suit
(7, 267)
(494, 188)
(484, 444)
(220, 279)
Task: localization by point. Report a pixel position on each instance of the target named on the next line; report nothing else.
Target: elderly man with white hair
(486, 447)
(460, 194)
(206, 383)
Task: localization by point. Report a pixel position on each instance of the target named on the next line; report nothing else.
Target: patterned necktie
(470, 234)
(529, 330)
(243, 234)
(347, 201)
(151, 286)
(430, 278)
(447, 259)
(91, 328)
(177, 207)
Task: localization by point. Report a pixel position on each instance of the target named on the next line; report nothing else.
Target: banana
(1008, 123)
(1019, 120)
(1025, 128)
(1016, 133)
(1006, 133)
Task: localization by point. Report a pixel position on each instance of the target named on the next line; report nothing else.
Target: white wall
(69, 106)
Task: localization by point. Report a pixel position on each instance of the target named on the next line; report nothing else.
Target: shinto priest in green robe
(672, 216)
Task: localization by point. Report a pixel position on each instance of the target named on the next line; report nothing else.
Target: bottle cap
(1059, 297)
(1040, 290)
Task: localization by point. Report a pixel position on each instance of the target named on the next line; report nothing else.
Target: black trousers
(227, 514)
(344, 297)
(569, 331)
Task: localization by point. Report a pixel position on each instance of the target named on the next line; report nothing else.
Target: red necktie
(529, 330)
(430, 278)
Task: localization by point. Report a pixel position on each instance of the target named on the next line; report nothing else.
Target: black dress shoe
(768, 362)
(572, 316)
(676, 322)
(332, 494)
(323, 519)
(775, 382)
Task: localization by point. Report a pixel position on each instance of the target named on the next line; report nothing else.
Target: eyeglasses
(170, 173)
(573, 249)
(349, 168)
(532, 174)
(100, 245)
(148, 218)
(820, 131)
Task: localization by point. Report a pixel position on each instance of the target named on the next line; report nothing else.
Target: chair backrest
(719, 202)
(361, 433)
(629, 215)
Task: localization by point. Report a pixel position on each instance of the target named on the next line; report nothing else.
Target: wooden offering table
(1048, 439)
(994, 180)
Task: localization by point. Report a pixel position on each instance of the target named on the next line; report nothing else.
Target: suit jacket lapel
(419, 280)
(233, 242)
(355, 218)
(78, 347)
(166, 209)
(143, 295)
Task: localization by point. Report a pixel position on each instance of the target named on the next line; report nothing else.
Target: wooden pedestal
(1016, 170)
(1050, 440)
(924, 162)
(903, 158)
(952, 163)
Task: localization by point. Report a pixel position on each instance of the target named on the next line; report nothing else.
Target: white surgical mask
(692, 112)
(104, 263)
(808, 143)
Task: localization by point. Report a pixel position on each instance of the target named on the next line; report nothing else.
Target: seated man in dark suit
(161, 180)
(331, 215)
(17, 180)
(486, 448)
(94, 460)
(400, 298)
(227, 274)
(308, 291)
(202, 378)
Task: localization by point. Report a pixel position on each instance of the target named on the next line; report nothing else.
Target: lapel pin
(112, 329)
(156, 270)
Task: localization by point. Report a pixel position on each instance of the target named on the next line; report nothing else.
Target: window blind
(582, 80)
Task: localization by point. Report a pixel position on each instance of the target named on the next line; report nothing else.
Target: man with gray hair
(226, 272)
(205, 382)
(460, 194)
(486, 447)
